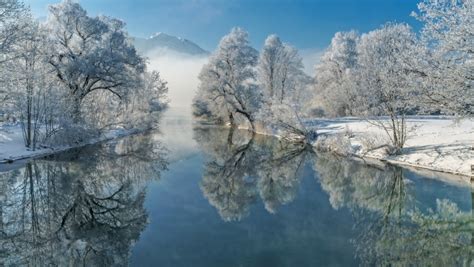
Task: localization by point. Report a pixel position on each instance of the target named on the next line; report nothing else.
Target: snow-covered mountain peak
(160, 41)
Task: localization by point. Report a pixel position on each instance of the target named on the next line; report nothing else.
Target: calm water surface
(206, 197)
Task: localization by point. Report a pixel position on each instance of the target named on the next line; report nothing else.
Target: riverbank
(434, 143)
(12, 147)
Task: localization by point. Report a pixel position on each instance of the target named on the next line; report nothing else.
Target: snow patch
(435, 143)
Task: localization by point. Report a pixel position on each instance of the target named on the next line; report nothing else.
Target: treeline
(73, 76)
(391, 71)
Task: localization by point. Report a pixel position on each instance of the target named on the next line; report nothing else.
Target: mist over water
(181, 71)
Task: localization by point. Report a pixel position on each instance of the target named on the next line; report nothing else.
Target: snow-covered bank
(12, 147)
(435, 143)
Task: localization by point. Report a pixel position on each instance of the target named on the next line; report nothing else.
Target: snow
(436, 143)
(12, 147)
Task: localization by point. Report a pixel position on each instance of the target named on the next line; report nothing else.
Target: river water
(205, 196)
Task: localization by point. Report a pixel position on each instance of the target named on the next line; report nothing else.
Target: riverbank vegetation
(381, 77)
(73, 77)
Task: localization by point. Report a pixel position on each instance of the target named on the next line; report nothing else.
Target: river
(188, 195)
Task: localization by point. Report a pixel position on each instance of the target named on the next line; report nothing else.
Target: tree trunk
(76, 110)
(29, 103)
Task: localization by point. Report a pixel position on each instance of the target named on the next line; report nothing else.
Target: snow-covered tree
(385, 87)
(13, 19)
(283, 84)
(227, 92)
(26, 77)
(32, 76)
(280, 70)
(448, 62)
(146, 103)
(91, 54)
(73, 76)
(12, 15)
(335, 91)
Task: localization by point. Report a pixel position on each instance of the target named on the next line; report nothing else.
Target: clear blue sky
(307, 24)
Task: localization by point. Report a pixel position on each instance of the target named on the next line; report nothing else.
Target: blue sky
(307, 24)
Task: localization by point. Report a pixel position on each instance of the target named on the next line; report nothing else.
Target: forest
(381, 76)
(72, 77)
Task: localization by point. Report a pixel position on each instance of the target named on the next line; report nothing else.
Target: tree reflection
(87, 210)
(279, 174)
(440, 237)
(240, 166)
(393, 229)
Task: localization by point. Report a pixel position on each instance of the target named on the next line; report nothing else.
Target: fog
(181, 72)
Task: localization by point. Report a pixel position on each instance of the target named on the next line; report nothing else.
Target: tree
(227, 91)
(13, 15)
(333, 75)
(283, 83)
(448, 59)
(91, 54)
(385, 87)
(145, 104)
(280, 70)
(32, 80)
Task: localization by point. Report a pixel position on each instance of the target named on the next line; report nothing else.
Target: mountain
(163, 41)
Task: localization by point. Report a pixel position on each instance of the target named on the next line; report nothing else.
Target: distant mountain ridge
(165, 41)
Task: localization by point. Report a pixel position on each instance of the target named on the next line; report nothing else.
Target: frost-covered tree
(448, 62)
(227, 91)
(32, 83)
(146, 103)
(385, 87)
(74, 76)
(26, 77)
(91, 54)
(283, 84)
(335, 90)
(280, 70)
(13, 19)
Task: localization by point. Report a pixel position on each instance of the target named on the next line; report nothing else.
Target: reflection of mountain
(241, 166)
(86, 211)
(163, 41)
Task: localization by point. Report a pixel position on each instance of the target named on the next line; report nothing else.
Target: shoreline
(406, 163)
(39, 153)
(338, 126)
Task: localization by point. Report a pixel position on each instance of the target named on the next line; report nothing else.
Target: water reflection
(397, 219)
(271, 203)
(241, 166)
(80, 208)
(396, 225)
